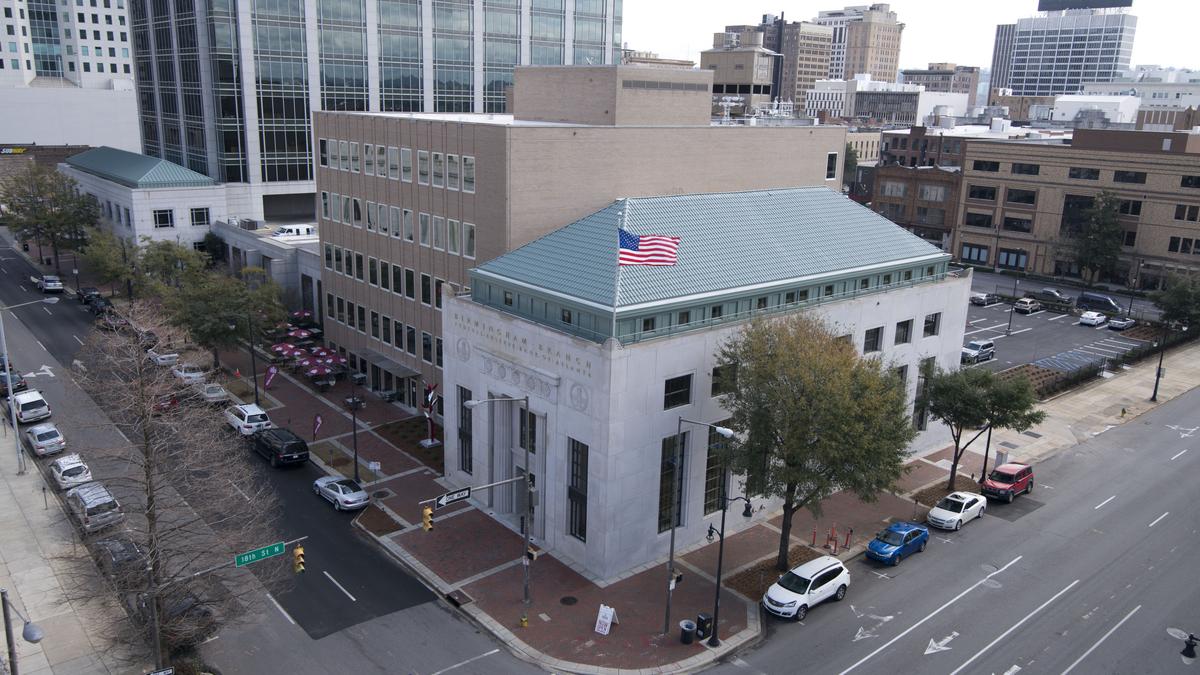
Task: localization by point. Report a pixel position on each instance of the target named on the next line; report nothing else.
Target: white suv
(69, 471)
(814, 582)
(30, 406)
(247, 419)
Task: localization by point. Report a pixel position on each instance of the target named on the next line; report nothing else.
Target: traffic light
(427, 518)
(298, 559)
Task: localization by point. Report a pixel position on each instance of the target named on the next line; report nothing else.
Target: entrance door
(376, 378)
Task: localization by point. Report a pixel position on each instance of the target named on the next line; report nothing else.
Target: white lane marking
(1104, 502)
(1164, 515)
(929, 616)
(78, 340)
(981, 330)
(460, 664)
(281, 609)
(48, 311)
(1060, 316)
(122, 434)
(1102, 639)
(3, 270)
(1178, 454)
(1013, 671)
(976, 321)
(243, 494)
(1110, 350)
(22, 288)
(1014, 627)
(41, 345)
(340, 587)
(1040, 311)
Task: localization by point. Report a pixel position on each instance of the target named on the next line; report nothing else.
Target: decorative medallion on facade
(532, 381)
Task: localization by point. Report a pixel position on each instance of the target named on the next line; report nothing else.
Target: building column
(427, 55)
(371, 7)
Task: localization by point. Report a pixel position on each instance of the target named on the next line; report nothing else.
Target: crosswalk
(1090, 354)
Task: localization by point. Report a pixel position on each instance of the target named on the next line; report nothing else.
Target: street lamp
(1188, 654)
(713, 640)
(1162, 349)
(12, 406)
(1012, 307)
(676, 457)
(32, 633)
(354, 403)
(528, 516)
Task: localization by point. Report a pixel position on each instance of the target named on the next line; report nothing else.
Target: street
(984, 281)
(1083, 575)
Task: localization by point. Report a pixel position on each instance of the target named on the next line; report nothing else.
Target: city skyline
(683, 28)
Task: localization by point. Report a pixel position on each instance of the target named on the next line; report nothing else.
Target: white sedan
(1092, 319)
(189, 373)
(955, 509)
(343, 493)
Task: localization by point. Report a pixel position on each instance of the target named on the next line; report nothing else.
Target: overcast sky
(958, 31)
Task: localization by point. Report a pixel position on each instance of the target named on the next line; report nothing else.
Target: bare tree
(192, 496)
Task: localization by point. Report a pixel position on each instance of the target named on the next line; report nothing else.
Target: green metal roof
(136, 171)
(729, 241)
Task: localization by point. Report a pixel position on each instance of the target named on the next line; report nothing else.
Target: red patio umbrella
(282, 347)
(308, 361)
(301, 314)
(335, 359)
(296, 353)
(322, 351)
(299, 333)
(319, 371)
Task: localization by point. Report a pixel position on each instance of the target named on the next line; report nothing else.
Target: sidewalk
(487, 585)
(36, 542)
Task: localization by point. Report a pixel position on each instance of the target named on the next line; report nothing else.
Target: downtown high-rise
(227, 88)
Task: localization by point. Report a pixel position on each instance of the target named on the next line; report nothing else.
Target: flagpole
(617, 271)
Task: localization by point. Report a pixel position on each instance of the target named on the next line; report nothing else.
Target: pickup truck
(47, 283)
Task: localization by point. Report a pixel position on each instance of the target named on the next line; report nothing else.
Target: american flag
(651, 249)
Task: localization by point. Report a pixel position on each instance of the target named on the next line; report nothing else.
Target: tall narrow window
(715, 479)
(439, 170)
(468, 179)
(670, 481)
(423, 167)
(466, 459)
(406, 165)
(577, 489)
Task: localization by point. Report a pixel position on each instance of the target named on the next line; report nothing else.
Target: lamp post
(355, 403)
(1188, 655)
(7, 365)
(676, 458)
(1162, 349)
(528, 516)
(713, 640)
(32, 633)
(1012, 307)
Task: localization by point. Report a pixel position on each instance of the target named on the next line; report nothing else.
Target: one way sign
(451, 497)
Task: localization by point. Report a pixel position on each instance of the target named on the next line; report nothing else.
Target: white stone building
(611, 357)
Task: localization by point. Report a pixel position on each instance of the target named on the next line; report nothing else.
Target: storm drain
(382, 494)
(568, 600)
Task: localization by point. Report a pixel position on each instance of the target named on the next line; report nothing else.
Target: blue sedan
(898, 541)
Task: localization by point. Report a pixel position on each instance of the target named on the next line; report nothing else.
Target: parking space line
(981, 330)
(78, 340)
(47, 310)
(1104, 502)
(1012, 333)
(1093, 346)
(1155, 522)
(1060, 316)
(1178, 454)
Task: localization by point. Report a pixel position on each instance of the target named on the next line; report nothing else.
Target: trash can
(687, 631)
(704, 625)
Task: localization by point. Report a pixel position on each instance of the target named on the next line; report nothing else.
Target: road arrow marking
(44, 370)
(857, 614)
(864, 633)
(1184, 432)
(940, 645)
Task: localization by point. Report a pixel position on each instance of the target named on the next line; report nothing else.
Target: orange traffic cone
(237, 372)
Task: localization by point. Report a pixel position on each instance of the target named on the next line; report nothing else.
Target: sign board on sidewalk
(606, 618)
(373, 466)
(169, 670)
(316, 424)
(271, 372)
(451, 497)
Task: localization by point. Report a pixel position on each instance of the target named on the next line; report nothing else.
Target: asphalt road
(1040, 335)
(990, 282)
(1084, 575)
(59, 328)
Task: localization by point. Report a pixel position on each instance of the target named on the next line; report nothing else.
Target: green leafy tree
(108, 257)
(811, 416)
(167, 264)
(44, 205)
(1179, 302)
(849, 165)
(1010, 405)
(214, 246)
(217, 310)
(1096, 238)
(960, 400)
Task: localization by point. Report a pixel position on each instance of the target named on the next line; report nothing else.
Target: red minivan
(1009, 480)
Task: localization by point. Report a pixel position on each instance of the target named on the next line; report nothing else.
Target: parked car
(85, 294)
(69, 471)
(94, 507)
(343, 493)
(1054, 295)
(985, 299)
(45, 439)
(1121, 323)
(111, 321)
(977, 351)
(955, 509)
(99, 305)
(164, 403)
(1092, 319)
(48, 283)
(163, 357)
(186, 620)
(281, 446)
(247, 419)
(1027, 306)
(1009, 480)
(30, 406)
(897, 542)
(1098, 302)
(122, 560)
(207, 392)
(18, 382)
(806, 586)
(189, 373)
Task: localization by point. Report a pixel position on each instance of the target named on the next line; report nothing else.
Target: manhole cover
(381, 494)
(568, 600)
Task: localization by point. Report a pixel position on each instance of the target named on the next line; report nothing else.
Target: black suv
(86, 294)
(281, 446)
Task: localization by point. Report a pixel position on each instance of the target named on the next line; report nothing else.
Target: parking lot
(1051, 339)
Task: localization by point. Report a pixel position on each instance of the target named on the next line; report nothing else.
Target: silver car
(69, 471)
(45, 439)
(343, 493)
